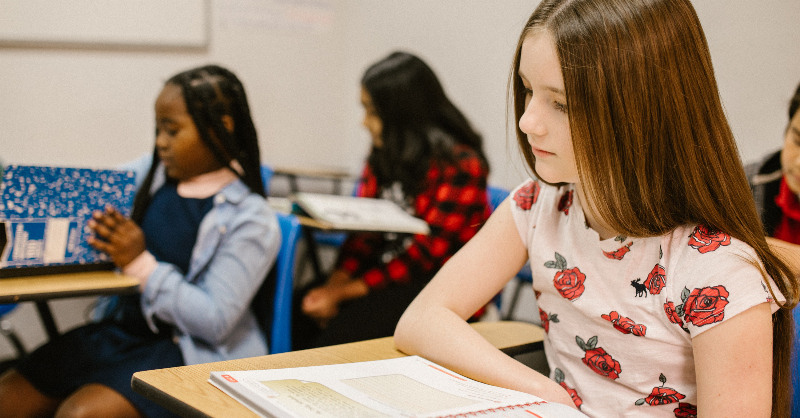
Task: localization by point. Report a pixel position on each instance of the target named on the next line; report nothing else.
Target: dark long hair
(212, 92)
(420, 124)
(653, 147)
(794, 104)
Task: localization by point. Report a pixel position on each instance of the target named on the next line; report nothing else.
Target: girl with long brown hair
(660, 294)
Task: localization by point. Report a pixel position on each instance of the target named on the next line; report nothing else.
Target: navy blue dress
(110, 351)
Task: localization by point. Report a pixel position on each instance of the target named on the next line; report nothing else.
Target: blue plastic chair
(496, 196)
(266, 176)
(796, 365)
(280, 337)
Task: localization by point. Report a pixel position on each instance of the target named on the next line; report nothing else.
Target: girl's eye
(169, 132)
(560, 107)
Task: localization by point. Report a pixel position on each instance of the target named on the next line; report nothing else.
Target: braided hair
(211, 92)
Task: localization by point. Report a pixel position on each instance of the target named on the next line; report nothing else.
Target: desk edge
(158, 396)
(66, 294)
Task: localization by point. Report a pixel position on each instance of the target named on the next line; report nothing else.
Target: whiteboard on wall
(137, 23)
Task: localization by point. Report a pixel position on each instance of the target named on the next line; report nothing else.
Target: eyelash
(558, 106)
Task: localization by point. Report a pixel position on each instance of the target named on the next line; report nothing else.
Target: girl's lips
(540, 152)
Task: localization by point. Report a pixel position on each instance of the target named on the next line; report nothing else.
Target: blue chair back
(796, 365)
(266, 176)
(280, 338)
(496, 195)
(4, 309)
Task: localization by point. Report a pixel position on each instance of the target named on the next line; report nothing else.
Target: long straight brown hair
(652, 145)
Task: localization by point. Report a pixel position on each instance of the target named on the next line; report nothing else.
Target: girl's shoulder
(704, 266)
(534, 193)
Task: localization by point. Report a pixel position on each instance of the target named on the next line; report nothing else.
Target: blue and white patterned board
(45, 211)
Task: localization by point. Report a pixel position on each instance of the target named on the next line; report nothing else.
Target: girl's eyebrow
(556, 90)
(549, 88)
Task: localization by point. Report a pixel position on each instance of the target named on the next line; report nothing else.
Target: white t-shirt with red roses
(620, 313)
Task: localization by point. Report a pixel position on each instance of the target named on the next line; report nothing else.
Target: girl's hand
(117, 236)
(322, 303)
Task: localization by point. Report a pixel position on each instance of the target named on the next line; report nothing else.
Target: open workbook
(359, 213)
(409, 387)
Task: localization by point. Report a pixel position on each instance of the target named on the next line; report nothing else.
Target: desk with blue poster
(44, 253)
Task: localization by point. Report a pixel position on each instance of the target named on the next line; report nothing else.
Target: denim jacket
(237, 243)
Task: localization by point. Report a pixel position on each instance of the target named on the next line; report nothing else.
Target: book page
(409, 387)
(315, 399)
(406, 394)
(360, 213)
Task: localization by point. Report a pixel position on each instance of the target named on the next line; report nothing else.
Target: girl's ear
(227, 120)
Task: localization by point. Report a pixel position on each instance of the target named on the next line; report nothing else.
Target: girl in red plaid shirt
(425, 157)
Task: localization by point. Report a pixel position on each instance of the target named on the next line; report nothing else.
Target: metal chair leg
(7, 330)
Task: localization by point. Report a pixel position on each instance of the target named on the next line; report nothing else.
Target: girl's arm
(733, 364)
(434, 324)
(211, 307)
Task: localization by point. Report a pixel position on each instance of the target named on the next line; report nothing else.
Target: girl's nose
(161, 140)
(531, 123)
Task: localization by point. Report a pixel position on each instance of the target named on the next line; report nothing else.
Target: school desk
(335, 175)
(185, 390)
(40, 289)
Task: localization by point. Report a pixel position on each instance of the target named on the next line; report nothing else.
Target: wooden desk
(40, 289)
(186, 391)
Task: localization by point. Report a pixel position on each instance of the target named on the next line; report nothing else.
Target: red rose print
(565, 203)
(661, 395)
(639, 330)
(602, 363)
(685, 410)
(527, 195)
(568, 282)
(597, 359)
(705, 239)
(559, 378)
(537, 293)
(546, 319)
(705, 306)
(574, 394)
(619, 253)
(672, 315)
(625, 325)
(656, 280)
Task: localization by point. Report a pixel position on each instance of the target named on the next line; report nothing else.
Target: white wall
(301, 62)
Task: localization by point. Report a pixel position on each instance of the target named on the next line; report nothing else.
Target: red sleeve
(455, 206)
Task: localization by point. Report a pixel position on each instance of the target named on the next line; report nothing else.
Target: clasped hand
(117, 236)
(322, 303)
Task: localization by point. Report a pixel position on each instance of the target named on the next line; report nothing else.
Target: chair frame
(280, 338)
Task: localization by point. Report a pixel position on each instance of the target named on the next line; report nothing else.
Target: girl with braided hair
(201, 240)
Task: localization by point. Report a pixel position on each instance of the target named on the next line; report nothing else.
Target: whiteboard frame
(137, 24)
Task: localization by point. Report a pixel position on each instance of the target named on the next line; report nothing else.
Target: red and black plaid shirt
(453, 204)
